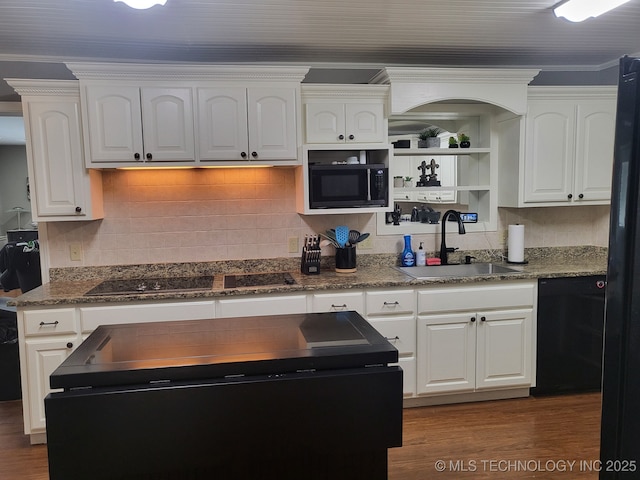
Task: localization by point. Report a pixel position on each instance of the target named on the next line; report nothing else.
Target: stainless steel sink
(471, 270)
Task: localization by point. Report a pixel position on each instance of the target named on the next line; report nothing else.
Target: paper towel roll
(515, 244)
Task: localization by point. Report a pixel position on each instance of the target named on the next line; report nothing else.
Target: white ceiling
(344, 40)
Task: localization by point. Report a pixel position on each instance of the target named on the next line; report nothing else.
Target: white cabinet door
(504, 344)
(222, 123)
(114, 124)
(447, 346)
(325, 122)
(61, 185)
(596, 121)
(550, 151)
(128, 124)
(345, 123)
(272, 124)
(43, 357)
(167, 119)
(364, 123)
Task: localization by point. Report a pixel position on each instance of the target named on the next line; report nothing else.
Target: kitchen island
(294, 396)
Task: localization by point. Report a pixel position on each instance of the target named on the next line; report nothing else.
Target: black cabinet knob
(351, 137)
(149, 156)
(473, 319)
(340, 137)
(581, 196)
(69, 345)
(136, 156)
(78, 209)
(483, 319)
(243, 154)
(254, 154)
(570, 196)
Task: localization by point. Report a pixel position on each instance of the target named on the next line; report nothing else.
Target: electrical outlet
(505, 235)
(293, 244)
(366, 244)
(75, 252)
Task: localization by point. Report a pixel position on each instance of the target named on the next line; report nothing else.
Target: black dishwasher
(570, 335)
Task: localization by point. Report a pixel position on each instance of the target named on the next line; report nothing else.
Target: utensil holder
(346, 259)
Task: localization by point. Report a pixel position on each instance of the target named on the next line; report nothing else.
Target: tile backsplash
(194, 215)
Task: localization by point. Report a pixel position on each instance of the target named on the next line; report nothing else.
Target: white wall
(13, 186)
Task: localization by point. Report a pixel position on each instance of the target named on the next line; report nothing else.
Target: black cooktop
(152, 285)
(258, 279)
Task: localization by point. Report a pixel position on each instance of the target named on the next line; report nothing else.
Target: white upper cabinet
(127, 124)
(345, 113)
(177, 115)
(62, 188)
(254, 124)
(345, 123)
(567, 157)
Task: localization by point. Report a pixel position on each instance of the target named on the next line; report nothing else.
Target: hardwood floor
(509, 439)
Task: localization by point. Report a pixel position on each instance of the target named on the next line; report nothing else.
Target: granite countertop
(68, 286)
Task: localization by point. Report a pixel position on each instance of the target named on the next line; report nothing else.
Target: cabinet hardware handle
(344, 305)
(243, 154)
(149, 156)
(581, 196)
(340, 137)
(254, 154)
(483, 319)
(136, 156)
(351, 137)
(42, 324)
(389, 304)
(69, 345)
(78, 209)
(391, 339)
(570, 196)
(473, 319)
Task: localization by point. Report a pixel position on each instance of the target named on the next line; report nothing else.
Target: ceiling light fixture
(580, 10)
(142, 4)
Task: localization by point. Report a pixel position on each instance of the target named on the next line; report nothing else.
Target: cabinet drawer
(267, 305)
(390, 302)
(451, 299)
(338, 302)
(92, 317)
(401, 333)
(50, 322)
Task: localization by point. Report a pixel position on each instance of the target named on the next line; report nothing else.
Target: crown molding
(187, 72)
(44, 87)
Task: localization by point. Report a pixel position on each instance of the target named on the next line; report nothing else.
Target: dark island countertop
(68, 286)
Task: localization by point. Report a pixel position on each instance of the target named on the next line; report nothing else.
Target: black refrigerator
(620, 425)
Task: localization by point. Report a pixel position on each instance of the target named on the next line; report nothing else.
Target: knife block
(310, 262)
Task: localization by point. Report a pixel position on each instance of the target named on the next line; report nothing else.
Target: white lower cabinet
(466, 339)
(473, 349)
(392, 313)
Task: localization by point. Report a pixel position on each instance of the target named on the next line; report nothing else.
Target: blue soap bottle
(408, 257)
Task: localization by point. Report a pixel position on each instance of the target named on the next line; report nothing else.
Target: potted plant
(453, 142)
(428, 138)
(407, 181)
(464, 140)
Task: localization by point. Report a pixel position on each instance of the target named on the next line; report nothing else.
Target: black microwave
(344, 186)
